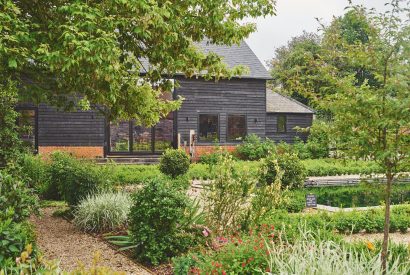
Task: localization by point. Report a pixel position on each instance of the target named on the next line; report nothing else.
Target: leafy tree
(373, 114)
(292, 65)
(10, 144)
(59, 50)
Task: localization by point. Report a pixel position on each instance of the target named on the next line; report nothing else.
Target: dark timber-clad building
(222, 112)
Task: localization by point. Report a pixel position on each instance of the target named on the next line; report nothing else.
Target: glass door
(128, 138)
(120, 137)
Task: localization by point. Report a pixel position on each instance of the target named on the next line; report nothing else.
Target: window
(281, 124)
(27, 127)
(236, 127)
(208, 128)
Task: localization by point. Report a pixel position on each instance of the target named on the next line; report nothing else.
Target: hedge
(370, 221)
(349, 196)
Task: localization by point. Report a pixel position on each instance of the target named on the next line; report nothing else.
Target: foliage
(371, 106)
(137, 174)
(235, 199)
(98, 48)
(293, 62)
(75, 179)
(103, 212)
(335, 167)
(233, 254)
(174, 163)
(225, 198)
(10, 143)
(319, 141)
(326, 257)
(157, 222)
(370, 221)
(254, 148)
(361, 195)
(14, 237)
(16, 198)
(212, 158)
(293, 176)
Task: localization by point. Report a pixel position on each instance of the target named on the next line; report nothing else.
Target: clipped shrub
(294, 173)
(254, 148)
(174, 163)
(103, 212)
(157, 222)
(76, 179)
(17, 197)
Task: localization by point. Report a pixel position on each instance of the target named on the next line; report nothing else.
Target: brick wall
(78, 151)
(208, 149)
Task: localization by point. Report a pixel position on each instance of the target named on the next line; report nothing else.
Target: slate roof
(277, 103)
(238, 55)
(234, 55)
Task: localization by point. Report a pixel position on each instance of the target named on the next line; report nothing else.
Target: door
(125, 137)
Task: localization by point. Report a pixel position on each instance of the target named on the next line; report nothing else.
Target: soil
(394, 237)
(61, 240)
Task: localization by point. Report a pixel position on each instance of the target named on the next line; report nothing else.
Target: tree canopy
(58, 50)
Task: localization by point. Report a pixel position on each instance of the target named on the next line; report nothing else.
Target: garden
(245, 214)
(240, 212)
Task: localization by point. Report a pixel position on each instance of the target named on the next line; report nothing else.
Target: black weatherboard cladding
(234, 96)
(292, 120)
(80, 128)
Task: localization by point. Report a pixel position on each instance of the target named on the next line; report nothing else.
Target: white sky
(294, 16)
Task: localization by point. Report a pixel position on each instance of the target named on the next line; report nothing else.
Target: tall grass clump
(311, 256)
(103, 212)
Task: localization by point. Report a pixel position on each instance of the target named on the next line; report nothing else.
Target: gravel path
(59, 239)
(394, 237)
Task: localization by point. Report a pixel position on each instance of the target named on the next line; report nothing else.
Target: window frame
(227, 127)
(199, 126)
(285, 123)
(35, 132)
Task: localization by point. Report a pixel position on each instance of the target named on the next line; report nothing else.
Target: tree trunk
(384, 255)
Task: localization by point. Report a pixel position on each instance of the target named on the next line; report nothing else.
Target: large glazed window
(236, 127)
(27, 127)
(120, 136)
(281, 127)
(208, 128)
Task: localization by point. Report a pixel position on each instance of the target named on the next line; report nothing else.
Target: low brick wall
(78, 151)
(208, 149)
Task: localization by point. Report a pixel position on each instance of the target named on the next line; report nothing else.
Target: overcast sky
(294, 16)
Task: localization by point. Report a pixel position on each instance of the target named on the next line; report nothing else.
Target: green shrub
(10, 143)
(174, 163)
(254, 148)
(17, 197)
(212, 158)
(349, 196)
(293, 170)
(103, 212)
(157, 222)
(75, 179)
(371, 221)
(13, 239)
(335, 167)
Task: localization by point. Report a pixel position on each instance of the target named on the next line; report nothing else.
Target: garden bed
(59, 239)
